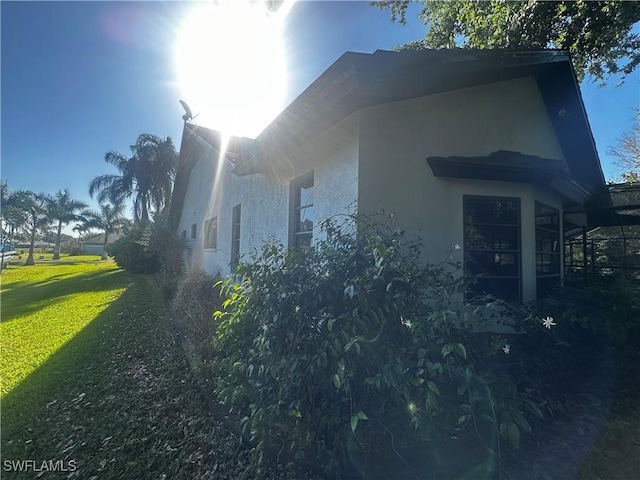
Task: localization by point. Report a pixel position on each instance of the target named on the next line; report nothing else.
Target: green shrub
(197, 297)
(164, 240)
(132, 253)
(355, 347)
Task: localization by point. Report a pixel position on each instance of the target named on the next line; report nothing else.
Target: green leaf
(354, 423)
(433, 387)
(362, 416)
(457, 348)
(336, 381)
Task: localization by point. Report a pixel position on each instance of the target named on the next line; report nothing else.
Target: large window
(211, 233)
(492, 245)
(302, 212)
(235, 237)
(547, 249)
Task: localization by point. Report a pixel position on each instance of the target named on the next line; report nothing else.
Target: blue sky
(82, 78)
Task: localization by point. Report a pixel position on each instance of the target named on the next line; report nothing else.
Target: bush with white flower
(354, 348)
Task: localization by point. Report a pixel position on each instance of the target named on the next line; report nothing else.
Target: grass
(97, 381)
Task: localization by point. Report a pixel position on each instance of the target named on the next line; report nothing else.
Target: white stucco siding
(264, 200)
(396, 139)
(263, 205)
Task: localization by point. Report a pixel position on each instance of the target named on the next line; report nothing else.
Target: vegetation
(353, 351)
(104, 388)
(146, 176)
(62, 209)
(598, 35)
(109, 219)
(627, 152)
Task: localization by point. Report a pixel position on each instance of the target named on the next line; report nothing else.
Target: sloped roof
(359, 80)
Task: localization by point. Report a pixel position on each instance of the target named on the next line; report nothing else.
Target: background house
(485, 149)
(94, 244)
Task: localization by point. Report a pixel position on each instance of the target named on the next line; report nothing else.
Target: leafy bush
(132, 253)
(354, 347)
(164, 240)
(197, 296)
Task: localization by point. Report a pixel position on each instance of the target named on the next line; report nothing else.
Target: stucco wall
(396, 139)
(264, 200)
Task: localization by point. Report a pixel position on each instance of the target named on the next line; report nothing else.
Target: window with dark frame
(235, 237)
(547, 249)
(302, 211)
(211, 233)
(193, 231)
(492, 251)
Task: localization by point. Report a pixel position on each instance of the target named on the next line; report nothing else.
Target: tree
(146, 176)
(598, 35)
(62, 209)
(109, 219)
(627, 152)
(37, 220)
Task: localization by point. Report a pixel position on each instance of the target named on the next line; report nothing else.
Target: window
(547, 249)
(302, 212)
(492, 245)
(211, 233)
(235, 237)
(183, 235)
(193, 231)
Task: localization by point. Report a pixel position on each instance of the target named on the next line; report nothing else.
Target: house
(94, 244)
(490, 150)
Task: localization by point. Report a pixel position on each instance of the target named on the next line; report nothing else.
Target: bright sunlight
(231, 65)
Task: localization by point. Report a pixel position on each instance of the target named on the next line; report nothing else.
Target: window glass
(211, 233)
(492, 246)
(304, 219)
(547, 249)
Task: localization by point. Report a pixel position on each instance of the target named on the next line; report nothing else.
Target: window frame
(211, 234)
(494, 251)
(236, 226)
(544, 281)
(306, 181)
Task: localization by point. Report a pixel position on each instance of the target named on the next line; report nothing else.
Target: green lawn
(94, 379)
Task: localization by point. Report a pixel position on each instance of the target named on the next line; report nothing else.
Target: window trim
(557, 232)
(236, 230)
(211, 228)
(295, 205)
(517, 226)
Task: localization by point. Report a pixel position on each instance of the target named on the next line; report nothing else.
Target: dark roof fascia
(563, 100)
(358, 80)
(504, 166)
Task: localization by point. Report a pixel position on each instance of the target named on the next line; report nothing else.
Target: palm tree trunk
(30, 259)
(104, 245)
(56, 250)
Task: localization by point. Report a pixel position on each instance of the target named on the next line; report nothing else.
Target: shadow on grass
(19, 299)
(75, 364)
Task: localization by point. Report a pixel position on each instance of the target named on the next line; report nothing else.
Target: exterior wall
(396, 139)
(93, 249)
(264, 200)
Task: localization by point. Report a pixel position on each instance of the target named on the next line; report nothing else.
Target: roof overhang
(505, 166)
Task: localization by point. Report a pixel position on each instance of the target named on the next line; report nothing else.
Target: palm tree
(62, 208)
(147, 176)
(35, 206)
(109, 219)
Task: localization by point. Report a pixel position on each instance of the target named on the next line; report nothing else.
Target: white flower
(456, 247)
(405, 322)
(506, 349)
(548, 322)
(297, 308)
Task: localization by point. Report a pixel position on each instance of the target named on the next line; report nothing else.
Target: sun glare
(231, 66)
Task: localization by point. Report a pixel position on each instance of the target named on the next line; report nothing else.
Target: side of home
(481, 149)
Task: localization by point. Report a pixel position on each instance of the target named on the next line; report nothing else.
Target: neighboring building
(94, 244)
(485, 149)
